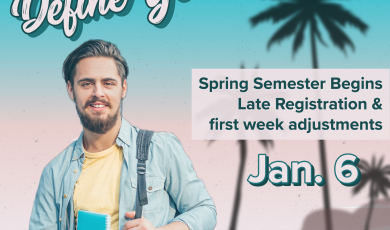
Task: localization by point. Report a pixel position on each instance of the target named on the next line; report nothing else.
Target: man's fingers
(132, 224)
(130, 215)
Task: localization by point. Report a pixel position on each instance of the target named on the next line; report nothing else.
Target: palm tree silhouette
(379, 182)
(267, 144)
(301, 13)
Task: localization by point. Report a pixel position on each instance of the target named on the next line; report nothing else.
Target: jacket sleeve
(44, 213)
(190, 195)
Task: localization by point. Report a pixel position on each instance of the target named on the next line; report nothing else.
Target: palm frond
(342, 16)
(383, 184)
(299, 37)
(317, 32)
(380, 163)
(286, 30)
(363, 165)
(376, 175)
(338, 37)
(361, 184)
(275, 13)
(373, 162)
(210, 142)
(386, 169)
(267, 144)
(382, 189)
(386, 182)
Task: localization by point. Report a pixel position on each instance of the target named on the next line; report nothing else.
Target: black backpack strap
(143, 142)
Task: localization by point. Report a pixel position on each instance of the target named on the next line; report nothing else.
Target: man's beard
(96, 124)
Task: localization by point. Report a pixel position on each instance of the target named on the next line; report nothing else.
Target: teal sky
(201, 34)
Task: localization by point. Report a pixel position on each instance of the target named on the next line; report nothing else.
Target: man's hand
(144, 224)
(137, 224)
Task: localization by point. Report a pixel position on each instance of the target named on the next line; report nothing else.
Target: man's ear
(69, 87)
(124, 88)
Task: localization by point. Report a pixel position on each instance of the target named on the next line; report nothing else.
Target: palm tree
(267, 144)
(301, 13)
(379, 182)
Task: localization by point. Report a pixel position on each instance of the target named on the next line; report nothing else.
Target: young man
(98, 172)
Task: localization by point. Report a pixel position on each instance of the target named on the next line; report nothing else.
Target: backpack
(143, 142)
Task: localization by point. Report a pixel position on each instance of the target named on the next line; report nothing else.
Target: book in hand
(87, 220)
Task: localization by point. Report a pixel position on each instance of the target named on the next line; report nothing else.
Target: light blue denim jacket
(170, 178)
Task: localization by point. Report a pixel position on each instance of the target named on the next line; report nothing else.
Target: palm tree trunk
(371, 206)
(313, 46)
(328, 216)
(237, 198)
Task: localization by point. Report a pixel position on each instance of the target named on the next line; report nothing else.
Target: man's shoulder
(164, 139)
(166, 145)
(159, 139)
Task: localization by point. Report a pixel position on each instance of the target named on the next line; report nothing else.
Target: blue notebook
(93, 221)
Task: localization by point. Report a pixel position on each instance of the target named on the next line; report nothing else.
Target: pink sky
(27, 145)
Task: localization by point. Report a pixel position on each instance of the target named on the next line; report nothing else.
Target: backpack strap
(143, 142)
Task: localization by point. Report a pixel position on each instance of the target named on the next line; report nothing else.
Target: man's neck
(94, 142)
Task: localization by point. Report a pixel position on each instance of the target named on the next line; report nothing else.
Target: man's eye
(109, 83)
(86, 84)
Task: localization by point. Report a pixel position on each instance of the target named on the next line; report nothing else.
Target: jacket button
(60, 219)
(75, 171)
(150, 188)
(64, 195)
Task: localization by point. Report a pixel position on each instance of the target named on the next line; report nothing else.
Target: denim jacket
(174, 191)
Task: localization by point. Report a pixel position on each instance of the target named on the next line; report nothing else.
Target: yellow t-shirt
(97, 189)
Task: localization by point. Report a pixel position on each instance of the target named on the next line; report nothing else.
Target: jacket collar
(123, 138)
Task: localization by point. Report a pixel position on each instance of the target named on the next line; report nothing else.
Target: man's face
(97, 92)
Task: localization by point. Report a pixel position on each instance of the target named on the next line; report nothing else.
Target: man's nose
(98, 91)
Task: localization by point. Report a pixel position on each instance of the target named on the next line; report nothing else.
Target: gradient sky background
(38, 120)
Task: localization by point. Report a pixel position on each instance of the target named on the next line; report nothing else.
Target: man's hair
(94, 48)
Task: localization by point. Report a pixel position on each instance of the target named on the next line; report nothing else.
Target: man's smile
(98, 106)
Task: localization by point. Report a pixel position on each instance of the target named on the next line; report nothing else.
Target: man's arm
(143, 223)
(174, 226)
(187, 190)
(44, 212)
